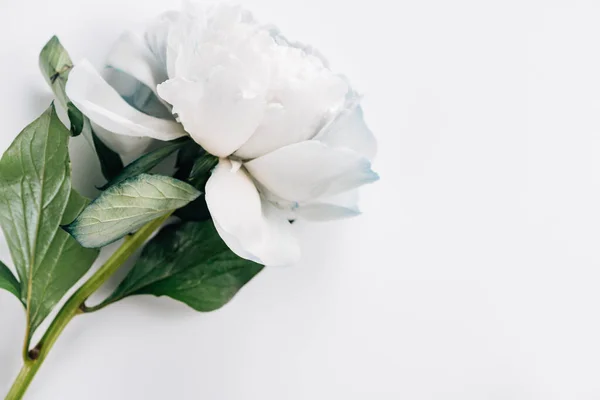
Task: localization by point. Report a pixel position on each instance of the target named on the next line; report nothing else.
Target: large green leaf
(188, 262)
(127, 206)
(9, 282)
(148, 161)
(56, 65)
(36, 197)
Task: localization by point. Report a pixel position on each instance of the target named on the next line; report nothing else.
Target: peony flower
(289, 133)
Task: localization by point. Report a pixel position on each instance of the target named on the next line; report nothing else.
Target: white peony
(288, 131)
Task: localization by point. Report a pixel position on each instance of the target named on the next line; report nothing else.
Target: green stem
(73, 306)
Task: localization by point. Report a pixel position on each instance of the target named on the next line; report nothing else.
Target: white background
(473, 273)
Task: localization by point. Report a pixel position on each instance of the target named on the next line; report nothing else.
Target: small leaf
(110, 161)
(201, 170)
(36, 197)
(185, 159)
(188, 262)
(56, 65)
(188, 154)
(77, 119)
(9, 282)
(127, 206)
(146, 162)
(198, 175)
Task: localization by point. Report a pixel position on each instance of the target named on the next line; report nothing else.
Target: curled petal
(105, 107)
(134, 71)
(343, 205)
(128, 147)
(131, 55)
(253, 228)
(157, 35)
(349, 130)
(309, 170)
(137, 94)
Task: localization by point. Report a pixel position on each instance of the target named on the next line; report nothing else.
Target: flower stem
(73, 306)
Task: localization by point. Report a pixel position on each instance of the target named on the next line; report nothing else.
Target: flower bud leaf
(127, 206)
(188, 262)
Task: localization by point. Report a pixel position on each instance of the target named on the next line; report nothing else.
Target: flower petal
(128, 147)
(136, 94)
(215, 114)
(134, 71)
(349, 130)
(131, 55)
(308, 49)
(304, 96)
(308, 170)
(253, 229)
(157, 35)
(343, 205)
(103, 105)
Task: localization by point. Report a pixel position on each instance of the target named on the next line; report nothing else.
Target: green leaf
(56, 65)
(77, 119)
(188, 154)
(188, 262)
(185, 159)
(9, 282)
(75, 205)
(36, 197)
(111, 163)
(127, 206)
(198, 172)
(146, 162)
(196, 210)
(201, 170)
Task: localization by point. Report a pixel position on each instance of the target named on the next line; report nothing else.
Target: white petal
(215, 113)
(134, 71)
(308, 49)
(227, 27)
(157, 35)
(304, 97)
(138, 95)
(349, 130)
(131, 55)
(128, 147)
(343, 205)
(305, 171)
(103, 105)
(251, 227)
